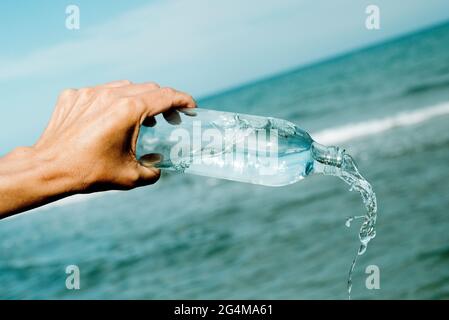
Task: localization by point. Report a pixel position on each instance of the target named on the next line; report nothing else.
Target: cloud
(156, 36)
(199, 45)
(195, 44)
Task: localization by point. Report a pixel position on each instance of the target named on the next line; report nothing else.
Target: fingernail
(149, 160)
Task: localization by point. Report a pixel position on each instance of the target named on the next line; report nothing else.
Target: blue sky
(199, 46)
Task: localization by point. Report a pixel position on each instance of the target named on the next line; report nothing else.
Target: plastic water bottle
(239, 147)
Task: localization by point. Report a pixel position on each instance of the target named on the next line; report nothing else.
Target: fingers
(115, 84)
(127, 88)
(136, 89)
(149, 122)
(188, 112)
(172, 116)
(162, 100)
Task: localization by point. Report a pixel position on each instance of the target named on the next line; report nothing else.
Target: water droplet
(348, 222)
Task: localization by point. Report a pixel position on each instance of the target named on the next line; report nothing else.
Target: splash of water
(351, 175)
(334, 161)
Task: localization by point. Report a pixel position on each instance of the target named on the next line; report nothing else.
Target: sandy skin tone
(88, 145)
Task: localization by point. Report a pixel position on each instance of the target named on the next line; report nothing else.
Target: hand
(93, 132)
(89, 145)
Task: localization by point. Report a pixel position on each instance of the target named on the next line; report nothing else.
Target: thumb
(147, 175)
(147, 172)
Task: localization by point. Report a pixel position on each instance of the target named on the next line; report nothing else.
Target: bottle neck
(328, 160)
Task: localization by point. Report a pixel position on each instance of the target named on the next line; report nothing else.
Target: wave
(427, 87)
(372, 127)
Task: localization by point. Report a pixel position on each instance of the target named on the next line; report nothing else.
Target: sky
(198, 46)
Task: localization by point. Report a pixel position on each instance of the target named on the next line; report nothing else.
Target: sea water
(180, 237)
(252, 149)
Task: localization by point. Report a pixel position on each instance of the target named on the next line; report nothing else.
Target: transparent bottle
(239, 147)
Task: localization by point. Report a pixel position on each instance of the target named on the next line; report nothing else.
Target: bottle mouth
(332, 155)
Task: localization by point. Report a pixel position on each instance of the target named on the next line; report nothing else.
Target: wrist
(31, 177)
(68, 167)
(50, 170)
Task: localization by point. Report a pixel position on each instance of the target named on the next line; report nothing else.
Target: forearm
(29, 179)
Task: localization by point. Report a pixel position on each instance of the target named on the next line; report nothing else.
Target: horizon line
(322, 61)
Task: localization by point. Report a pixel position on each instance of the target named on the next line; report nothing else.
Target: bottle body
(245, 148)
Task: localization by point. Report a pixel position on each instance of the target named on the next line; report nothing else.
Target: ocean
(191, 237)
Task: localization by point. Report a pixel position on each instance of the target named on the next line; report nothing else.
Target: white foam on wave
(371, 127)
